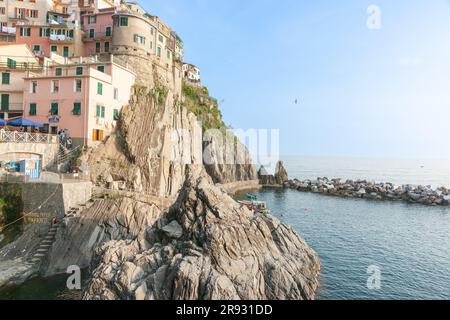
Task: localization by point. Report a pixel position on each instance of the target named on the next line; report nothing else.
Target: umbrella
(2, 122)
(21, 122)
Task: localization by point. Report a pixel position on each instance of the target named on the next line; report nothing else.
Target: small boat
(251, 196)
(256, 206)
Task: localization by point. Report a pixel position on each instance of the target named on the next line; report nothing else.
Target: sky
(360, 92)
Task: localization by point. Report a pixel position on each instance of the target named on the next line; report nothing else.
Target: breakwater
(364, 189)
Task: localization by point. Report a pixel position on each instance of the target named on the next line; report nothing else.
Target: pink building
(83, 95)
(98, 30)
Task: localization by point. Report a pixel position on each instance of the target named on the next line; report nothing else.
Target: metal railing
(26, 137)
(12, 107)
(97, 35)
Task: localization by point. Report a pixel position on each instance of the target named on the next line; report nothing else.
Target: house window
(168, 54)
(123, 22)
(91, 33)
(58, 72)
(92, 19)
(77, 85)
(158, 51)
(76, 109)
(66, 52)
(79, 71)
(101, 68)
(33, 87)
(12, 64)
(161, 38)
(100, 88)
(139, 39)
(6, 78)
(54, 109)
(106, 46)
(55, 86)
(108, 31)
(116, 93)
(97, 135)
(54, 48)
(116, 115)
(97, 47)
(25, 32)
(4, 102)
(33, 108)
(100, 112)
(36, 48)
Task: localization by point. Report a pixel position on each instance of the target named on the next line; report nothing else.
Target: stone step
(44, 246)
(46, 242)
(36, 260)
(43, 250)
(39, 255)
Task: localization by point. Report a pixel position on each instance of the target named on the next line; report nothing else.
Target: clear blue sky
(383, 93)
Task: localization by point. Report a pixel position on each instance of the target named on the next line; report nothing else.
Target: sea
(368, 249)
(371, 249)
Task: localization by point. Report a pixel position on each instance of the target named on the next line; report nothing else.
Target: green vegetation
(198, 101)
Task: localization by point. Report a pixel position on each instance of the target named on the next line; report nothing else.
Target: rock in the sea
(224, 252)
(281, 175)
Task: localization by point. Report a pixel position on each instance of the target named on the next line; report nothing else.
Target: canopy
(2, 122)
(21, 122)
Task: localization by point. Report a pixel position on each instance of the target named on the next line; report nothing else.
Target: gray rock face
(223, 252)
(281, 174)
(279, 178)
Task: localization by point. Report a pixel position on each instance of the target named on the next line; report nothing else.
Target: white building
(191, 73)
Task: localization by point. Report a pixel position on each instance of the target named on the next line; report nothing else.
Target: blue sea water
(409, 244)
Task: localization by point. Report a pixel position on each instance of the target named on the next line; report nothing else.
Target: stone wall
(15, 151)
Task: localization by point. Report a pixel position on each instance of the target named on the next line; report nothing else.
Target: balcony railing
(8, 30)
(26, 137)
(21, 66)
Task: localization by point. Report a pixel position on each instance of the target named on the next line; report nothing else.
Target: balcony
(12, 107)
(21, 66)
(60, 38)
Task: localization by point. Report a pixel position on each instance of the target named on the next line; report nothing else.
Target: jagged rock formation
(279, 178)
(207, 246)
(105, 220)
(226, 159)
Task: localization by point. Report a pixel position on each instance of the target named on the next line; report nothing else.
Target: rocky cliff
(207, 246)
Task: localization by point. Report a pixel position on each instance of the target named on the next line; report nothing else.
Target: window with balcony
(54, 109)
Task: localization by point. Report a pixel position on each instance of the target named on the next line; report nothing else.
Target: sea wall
(364, 189)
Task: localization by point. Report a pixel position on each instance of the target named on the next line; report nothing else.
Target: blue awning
(24, 122)
(2, 122)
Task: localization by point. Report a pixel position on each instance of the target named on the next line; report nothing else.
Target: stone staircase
(45, 245)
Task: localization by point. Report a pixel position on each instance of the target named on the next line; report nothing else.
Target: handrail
(26, 137)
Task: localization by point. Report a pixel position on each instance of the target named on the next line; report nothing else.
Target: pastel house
(83, 95)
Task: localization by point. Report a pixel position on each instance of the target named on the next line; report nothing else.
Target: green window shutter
(103, 112)
(12, 64)
(66, 52)
(100, 88)
(97, 111)
(91, 33)
(54, 109)
(5, 102)
(116, 115)
(124, 22)
(6, 77)
(58, 71)
(76, 108)
(97, 47)
(158, 51)
(79, 71)
(33, 109)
